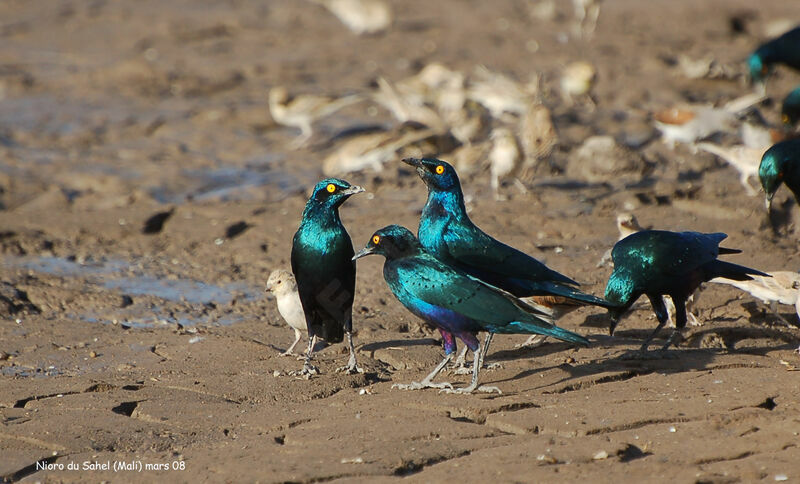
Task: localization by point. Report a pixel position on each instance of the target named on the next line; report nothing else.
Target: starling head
(333, 192)
(437, 174)
(392, 241)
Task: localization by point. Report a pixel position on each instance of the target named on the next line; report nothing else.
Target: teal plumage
(781, 50)
(656, 263)
(446, 231)
(780, 164)
(790, 109)
(323, 267)
(451, 300)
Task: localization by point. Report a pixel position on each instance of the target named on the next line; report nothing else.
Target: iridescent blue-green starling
(454, 303)
(790, 109)
(323, 265)
(446, 231)
(780, 164)
(780, 50)
(658, 263)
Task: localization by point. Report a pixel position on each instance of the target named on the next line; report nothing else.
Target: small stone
(602, 455)
(276, 373)
(92, 354)
(781, 477)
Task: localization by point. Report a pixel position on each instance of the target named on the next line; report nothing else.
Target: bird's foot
(307, 371)
(291, 353)
(419, 385)
(350, 369)
(692, 320)
(470, 390)
(534, 341)
(493, 366)
(462, 369)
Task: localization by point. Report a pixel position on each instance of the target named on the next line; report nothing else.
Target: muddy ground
(161, 349)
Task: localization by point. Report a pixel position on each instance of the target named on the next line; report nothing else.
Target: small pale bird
(281, 283)
(744, 158)
(504, 157)
(537, 135)
(695, 122)
(361, 16)
(782, 287)
(577, 81)
(627, 225)
(303, 110)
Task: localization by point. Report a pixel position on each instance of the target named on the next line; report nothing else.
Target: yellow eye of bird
(331, 188)
(785, 119)
(440, 169)
(376, 239)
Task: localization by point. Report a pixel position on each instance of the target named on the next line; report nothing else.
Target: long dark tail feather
(733, 271)
(526, 327)
(725, 250)
(576, 295)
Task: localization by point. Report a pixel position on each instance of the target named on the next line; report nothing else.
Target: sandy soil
(162, 349)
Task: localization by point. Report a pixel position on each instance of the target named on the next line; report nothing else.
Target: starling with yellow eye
(455, 303)
(323, 265)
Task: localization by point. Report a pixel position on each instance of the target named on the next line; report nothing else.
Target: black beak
(365, 251)
(416, 162)
(352, 190)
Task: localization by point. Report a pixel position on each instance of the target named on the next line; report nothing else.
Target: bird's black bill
(363, 252)
(412, 161)
(352, 190)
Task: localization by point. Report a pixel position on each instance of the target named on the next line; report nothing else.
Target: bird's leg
(290, 351)
(461, 367)
(427, 382)
(477, 363)
(680, 322)
(308, 368)
(352, 365)
(661, 313)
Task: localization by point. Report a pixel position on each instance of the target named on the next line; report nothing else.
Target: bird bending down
(453, 302)
(322, 262)
(780, 164)
(446, 232)
(301, 111)
(627, 224)
(780, 50)
(281, 283)
(658, 263)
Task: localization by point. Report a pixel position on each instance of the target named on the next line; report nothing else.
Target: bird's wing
(665, 254)
(476, 249)
(430, 280)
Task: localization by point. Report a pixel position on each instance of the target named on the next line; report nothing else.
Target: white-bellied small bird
(744, 158)
(538, 136)
(780, 287)
(577, 81)
(691, 123)
(504, 157)
(303, 110)
(627, 224)
(361, 16)
(281, 283)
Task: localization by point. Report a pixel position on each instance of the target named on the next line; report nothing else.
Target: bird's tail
(550, 330)
(734, 271)
(340, 103)
(575, 295)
